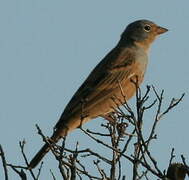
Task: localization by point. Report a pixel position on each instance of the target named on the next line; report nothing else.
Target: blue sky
(47, 48)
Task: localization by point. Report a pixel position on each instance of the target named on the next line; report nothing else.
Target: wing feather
(114, 68)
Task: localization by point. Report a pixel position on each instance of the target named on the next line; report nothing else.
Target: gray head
(142, 30)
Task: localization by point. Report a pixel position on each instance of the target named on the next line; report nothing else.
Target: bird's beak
(161, 30)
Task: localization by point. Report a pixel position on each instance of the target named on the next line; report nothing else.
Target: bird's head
(142, 33)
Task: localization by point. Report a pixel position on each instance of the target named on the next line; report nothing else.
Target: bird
(177, 171)
(103, 89)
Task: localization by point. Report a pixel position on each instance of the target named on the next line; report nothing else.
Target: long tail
(60, 132)
(43, 151)
(39, 156)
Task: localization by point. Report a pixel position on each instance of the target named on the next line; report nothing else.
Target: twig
(172, 104)
(4, 162)
(54, 178)
(186, 166)
(172, 157)
(22, 144)
(101, 171)
(39, 170)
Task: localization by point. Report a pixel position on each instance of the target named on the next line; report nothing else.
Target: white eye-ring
(147, 28)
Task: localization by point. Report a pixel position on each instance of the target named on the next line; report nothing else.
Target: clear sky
(47, 48)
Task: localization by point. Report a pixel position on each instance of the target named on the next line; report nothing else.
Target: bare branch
(4, 162)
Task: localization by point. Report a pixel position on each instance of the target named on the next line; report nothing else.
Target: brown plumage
(126, 61)
(177, 171)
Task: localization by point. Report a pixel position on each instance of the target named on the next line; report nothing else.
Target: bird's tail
(39, 156)
(43, 151)
(60, 132)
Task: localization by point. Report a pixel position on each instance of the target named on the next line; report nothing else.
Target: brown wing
(115, 67)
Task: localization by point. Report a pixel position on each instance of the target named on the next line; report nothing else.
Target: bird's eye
(147, 28)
